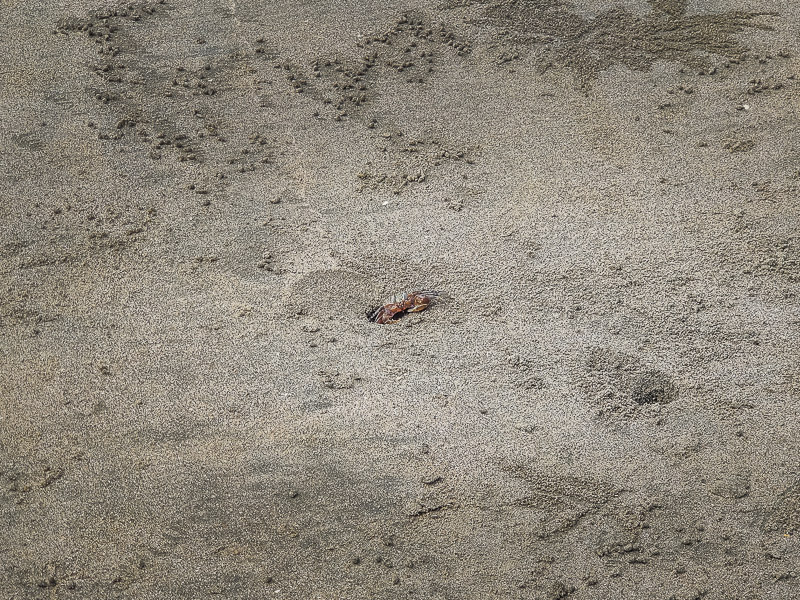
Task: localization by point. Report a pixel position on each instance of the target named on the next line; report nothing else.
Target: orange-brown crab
(403, 304)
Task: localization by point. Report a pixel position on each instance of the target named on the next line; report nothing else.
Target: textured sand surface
(200, 200)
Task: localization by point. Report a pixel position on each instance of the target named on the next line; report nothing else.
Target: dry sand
(201, 199)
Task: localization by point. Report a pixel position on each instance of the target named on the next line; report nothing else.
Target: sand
(200, 201)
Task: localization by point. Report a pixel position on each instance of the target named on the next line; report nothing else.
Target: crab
(409, 302)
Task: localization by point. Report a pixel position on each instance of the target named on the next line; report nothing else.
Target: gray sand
(200, 200)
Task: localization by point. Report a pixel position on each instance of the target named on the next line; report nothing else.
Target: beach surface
(200, 202)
